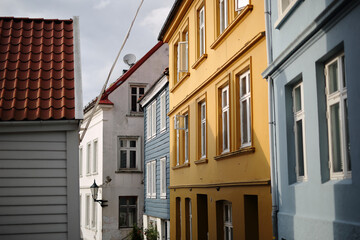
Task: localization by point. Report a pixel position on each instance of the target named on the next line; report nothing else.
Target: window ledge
(128, 171)
(135, 114)
(182, 79)
(230, 27)
(241, 151)
(181, 166)
(199, 61)
(162, 197)
(201, 161)
(286, 14)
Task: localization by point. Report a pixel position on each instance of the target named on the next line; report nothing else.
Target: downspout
(272, 130)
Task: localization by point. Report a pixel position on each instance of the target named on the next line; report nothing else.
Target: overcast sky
(103, 26)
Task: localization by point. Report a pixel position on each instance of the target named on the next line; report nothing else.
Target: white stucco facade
(119, 133)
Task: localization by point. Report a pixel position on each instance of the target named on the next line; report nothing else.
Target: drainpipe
(273, 158)
(272, 130)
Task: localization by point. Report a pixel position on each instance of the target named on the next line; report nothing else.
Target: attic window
(136, 93)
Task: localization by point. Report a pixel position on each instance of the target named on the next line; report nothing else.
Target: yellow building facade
(219, 147)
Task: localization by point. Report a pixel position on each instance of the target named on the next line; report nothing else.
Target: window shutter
(240, 4)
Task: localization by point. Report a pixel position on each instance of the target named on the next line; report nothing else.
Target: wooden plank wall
(33, 201)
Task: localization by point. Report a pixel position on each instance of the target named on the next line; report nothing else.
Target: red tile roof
(36, 69)
(104, 98)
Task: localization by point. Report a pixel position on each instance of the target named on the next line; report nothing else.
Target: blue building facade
(155, 103)
(313, 58)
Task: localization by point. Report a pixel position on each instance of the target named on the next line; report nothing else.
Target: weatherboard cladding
(33, 198)
(155, 149)
(36, 69)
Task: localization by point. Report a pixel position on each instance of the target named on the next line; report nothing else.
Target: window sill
(201, 161)
(182, 79)
(162, 197)
(128, 171)
(181, 166)
(199, 61)
(241, 151)
(135, 114)
(230, 27)
(286, 14)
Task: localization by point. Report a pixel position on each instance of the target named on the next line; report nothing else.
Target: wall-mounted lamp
(94, 192)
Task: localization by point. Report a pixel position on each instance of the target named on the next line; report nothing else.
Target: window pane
(132, 216)
(203, 136)
(343, 70)
(333, 77)
(141, 91)
(244, 122)
(132, 143)
(132, 200)
(133, 103)
(285, 4)
(299, 147)
(225, 130)
(226, 211)
(132, 159)
(231, 233)
(123, 159)
(133, 90)
(122, 143)
(347, 136)
(243, 86)
(297, 99)
(224, 99)
(227, 237)
(335, 138)
(122, 220)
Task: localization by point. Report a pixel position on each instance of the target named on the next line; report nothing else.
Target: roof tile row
(36, 69)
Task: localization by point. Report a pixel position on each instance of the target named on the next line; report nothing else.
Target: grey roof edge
(169, 18)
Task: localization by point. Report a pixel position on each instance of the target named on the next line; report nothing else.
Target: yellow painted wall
(241, 48)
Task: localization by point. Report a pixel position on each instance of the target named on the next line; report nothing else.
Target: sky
(103, 26)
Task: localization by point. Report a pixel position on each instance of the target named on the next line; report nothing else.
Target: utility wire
(111, 70)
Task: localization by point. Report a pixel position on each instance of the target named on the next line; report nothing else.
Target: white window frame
(182, 63)
(186, 138)
(151, 179)
(163, 112)
(137, 95)
(284, 11)
(338, 97)
(228, 225)
(88, 158)
(246, 98)
(163, 177)
(201, 31)
(87, 210)
(225, 110)
(240, 4)
(93, 214)
(203, 129)
(81, 210)
(151, 120)
(81, 161)
(299, 115)
(127, 148)
(95, 155)
(148, 180)
(223, 14)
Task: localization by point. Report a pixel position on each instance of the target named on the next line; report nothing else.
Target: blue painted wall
(318, 208)
(155, 149)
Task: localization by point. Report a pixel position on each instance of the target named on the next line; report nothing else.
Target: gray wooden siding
(33, 186)
(155, 149)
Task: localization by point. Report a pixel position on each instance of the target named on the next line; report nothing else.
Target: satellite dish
(129, 59)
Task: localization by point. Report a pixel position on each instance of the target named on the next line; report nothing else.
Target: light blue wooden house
(313, 56)
(155, 103)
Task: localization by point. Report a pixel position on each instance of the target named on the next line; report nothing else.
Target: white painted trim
(153, 91)
(77, 70)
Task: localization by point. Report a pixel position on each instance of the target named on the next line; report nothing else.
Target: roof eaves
(169, 19)
(126, 75)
